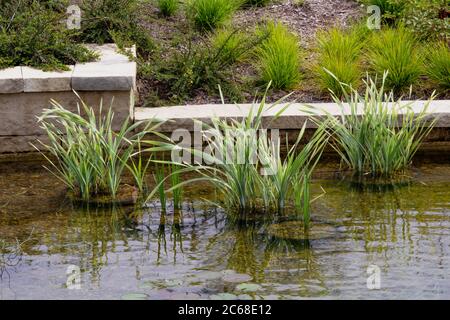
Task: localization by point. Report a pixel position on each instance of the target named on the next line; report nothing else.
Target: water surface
(200, 253)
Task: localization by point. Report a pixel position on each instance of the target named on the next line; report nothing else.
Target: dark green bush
(104, 21)
(428, 19)
(32, 33)
(391, 10)
(207, 64)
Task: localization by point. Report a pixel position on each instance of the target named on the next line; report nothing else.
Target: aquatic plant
(279, 57)
(90, 155)
(138, 167)
(383, 141)
(175, 180)
(287, 179)
(159, 177)
(245, 167)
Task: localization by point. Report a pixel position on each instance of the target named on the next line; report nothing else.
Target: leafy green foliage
(91, 156)
(208, 63)
(340, 52)
(279, 57)
(210, 14)
(32, 34)
(437, 65)
(428, 19)
(168, 7)
(395, 50)
(231, 43)
(245, 166)
(381, 143)
(106, 21)
(391, 10)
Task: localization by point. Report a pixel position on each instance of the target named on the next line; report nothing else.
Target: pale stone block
(19, 112)
(113, 72)
(11, 80)
(43, 81)
(104, 76)
(293, 117)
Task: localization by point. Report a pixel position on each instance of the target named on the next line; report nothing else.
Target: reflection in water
(195, 251)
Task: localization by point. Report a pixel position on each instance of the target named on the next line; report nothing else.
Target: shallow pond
(200, 253)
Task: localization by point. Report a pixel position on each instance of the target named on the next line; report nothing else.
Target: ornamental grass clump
(377, 136)
(437, 65)
(395, 50)
(90, 156)
(168, 7)
(279, 57)
(340, 58)
(210, 14)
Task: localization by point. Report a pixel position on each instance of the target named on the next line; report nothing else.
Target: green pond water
(200, 253)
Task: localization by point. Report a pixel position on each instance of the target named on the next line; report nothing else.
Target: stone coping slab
(292, 118)
(11, 80)
(36, 80)
(112, 72)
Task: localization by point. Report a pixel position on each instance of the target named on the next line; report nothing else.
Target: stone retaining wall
(25, 92)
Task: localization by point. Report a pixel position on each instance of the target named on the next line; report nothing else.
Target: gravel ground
(302, 20)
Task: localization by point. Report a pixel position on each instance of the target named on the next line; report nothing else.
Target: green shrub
(33, 34)
(391, 10)
(437, 65)
(279, 57)
(379, 144)
(395, 51)
(428, 19)
(207, 64)
(340, 52)
(168, 7)
(231, 43)
(104, 21)
(210, 14)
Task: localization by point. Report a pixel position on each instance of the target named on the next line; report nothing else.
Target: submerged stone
(236, 278)
(248, 287)
(295, 230)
